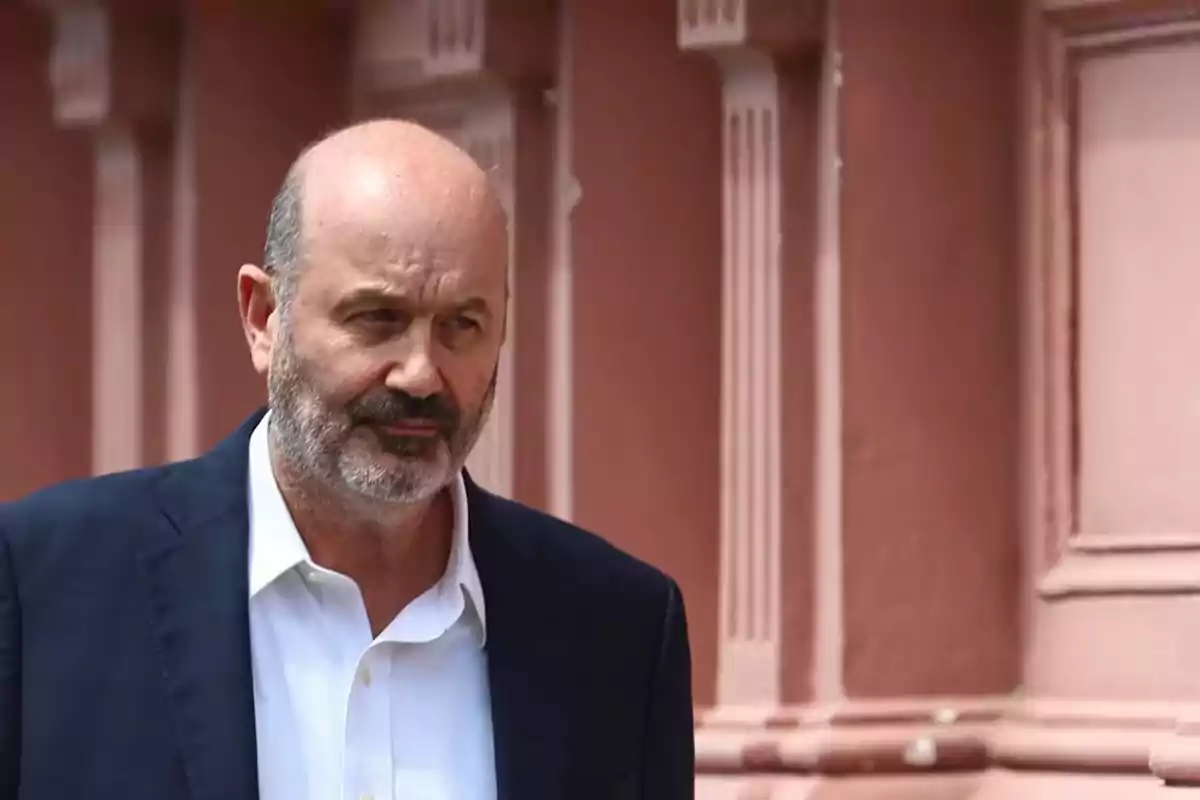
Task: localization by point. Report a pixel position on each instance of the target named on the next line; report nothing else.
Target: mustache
(394, 408)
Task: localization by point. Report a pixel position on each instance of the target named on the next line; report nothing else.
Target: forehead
(419, 275)
(404, 237)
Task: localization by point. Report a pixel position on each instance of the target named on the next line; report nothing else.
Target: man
(325, 606)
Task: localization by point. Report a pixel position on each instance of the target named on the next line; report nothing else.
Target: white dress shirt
(405, 715)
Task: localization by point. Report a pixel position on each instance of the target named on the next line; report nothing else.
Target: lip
(413, 428)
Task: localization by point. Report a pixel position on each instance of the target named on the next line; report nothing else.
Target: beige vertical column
(477, 72)
(758, 134)
(559, 317)
(749, 668)
(113, 74)
(769, 64)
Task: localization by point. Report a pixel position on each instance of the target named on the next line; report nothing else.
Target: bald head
(380, 186)
(380, 312)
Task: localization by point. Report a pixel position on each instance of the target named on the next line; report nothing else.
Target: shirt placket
(368, 745)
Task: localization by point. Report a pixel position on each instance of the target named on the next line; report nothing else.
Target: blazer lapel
(195, 567)
(529, 669)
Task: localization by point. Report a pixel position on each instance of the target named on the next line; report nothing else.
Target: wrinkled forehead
(425, 237)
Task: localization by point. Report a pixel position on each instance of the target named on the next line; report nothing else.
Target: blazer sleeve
(10, 676)
(669, 759)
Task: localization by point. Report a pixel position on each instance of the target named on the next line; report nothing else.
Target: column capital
(112, 62)
(776, 28)
(405, 45)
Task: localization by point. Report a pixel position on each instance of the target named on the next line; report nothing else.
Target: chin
(388, 483)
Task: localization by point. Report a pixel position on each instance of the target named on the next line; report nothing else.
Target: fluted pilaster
(749, 660)
(750, 655)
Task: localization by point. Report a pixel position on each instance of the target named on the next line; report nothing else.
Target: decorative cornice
(408, 45)
(1082, 17)
(774, 27)
(79, 64)
(109, 63)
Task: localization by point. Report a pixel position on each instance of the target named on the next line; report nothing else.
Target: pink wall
(45, 276)
(930, 336)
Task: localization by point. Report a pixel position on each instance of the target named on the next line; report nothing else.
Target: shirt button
(364, 677)
(366, 796)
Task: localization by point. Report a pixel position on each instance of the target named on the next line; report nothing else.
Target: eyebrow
(369, 294)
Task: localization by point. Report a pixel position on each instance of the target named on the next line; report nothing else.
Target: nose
(415, 373)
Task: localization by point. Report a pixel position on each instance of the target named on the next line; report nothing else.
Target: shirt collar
(276, 546)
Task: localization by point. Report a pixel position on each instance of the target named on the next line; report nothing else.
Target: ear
(256, 304)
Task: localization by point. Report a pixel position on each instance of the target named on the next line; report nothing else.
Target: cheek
(469, 386)
(345, 378)
(336, 372)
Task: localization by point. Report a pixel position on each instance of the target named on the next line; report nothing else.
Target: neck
(393, 551)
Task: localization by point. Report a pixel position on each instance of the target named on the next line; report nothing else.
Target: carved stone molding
(111, 63)
(1080, 735)
(948, 734)
(1071, 560)
(1087, 579)
(776, 27)
(855, 738)
(405, 45)
(1138, 564)
(1077, 17)
(79, 64)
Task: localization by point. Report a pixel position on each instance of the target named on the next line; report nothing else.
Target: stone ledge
(946, 735)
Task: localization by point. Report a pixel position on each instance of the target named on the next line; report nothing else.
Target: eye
(377, 316)
(460, 322)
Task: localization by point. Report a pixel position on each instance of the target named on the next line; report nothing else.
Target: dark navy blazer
(125, 646)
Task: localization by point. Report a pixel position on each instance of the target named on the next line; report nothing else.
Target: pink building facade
(872, 322)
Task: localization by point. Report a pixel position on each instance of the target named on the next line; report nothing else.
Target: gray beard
(320, 448)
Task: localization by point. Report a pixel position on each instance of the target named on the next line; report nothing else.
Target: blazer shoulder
(582, 559)
(79, 505)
